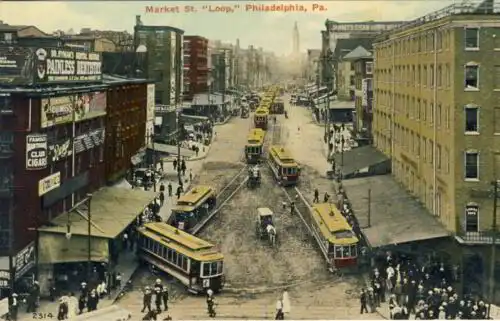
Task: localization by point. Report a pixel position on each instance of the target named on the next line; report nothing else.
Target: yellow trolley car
(254, 146)
(337, 235)
(194, 262)
(193, 207)
(284, 167)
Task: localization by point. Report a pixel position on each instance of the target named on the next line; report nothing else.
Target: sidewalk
(127, 266)
(201, 155)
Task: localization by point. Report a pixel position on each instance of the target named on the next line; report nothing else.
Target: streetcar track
(226, 193)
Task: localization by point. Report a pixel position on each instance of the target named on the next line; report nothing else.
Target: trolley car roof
(188, 201)
(283, 155)
(332, 224)
(181, 242)
(264, 211)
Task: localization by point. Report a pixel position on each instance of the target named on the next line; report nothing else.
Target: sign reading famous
(36, 151)
(63, 66)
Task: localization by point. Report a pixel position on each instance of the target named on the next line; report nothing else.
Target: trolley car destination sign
(62, 66)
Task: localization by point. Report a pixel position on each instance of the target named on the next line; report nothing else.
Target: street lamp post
(179, 136)
(89, 237)
(153, 160)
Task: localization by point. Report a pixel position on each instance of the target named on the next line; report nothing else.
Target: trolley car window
(338, 251)
(211, 268)
(346, 251)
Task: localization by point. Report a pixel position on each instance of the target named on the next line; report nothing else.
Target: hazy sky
(270, 30)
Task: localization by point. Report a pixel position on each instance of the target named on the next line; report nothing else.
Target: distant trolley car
(194, 262)
(278, 107)
(337, 236)
(284, 167)
(261, 118)
(254, 146)
(193, 207)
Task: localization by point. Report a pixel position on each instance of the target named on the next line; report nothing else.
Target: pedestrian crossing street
(194, 308)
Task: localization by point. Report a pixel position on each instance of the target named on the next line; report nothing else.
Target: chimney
(138, 21)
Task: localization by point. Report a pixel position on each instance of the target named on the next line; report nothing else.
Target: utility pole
(89, 237)
(493, 246)
(369, 207)
(223, 72)
(153, 160)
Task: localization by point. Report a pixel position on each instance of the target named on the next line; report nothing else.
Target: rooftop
(396, 217)
(359, 53)
(153, 28)
(469, 7)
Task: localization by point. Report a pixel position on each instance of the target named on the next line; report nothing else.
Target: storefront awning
(359, 158)
(171, 150)
(112, 209)
(395, 216)
(112, 313)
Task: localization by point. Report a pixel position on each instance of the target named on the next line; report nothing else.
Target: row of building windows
(421, 110)
(428, 41)
(422, 148)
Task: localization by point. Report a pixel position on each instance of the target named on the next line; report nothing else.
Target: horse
(271, 234)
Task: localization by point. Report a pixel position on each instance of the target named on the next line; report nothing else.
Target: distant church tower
(296, 44)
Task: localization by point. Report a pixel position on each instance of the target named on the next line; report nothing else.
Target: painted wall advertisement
(49, 183)
(24, 260)
(150, 113)
(62, 110)
(36, 151)
(60, 150)
(16, 65)
(67, 66)
(364, 90)
(90, 105)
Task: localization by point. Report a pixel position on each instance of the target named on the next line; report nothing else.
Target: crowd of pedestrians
(425, 291)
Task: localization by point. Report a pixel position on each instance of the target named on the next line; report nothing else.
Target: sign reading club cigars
(36, 151)
(63, 66)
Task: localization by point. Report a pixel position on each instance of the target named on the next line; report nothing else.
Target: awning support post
(89, 238)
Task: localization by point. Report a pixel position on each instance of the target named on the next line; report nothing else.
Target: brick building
(195, 66)
(52, 139)
(125, 123)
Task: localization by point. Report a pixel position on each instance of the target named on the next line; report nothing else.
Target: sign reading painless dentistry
(67, 66)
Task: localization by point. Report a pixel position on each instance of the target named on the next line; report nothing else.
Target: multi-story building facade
(195, 66)
(361, 60)
(129, 107)
(344, 75)
(52, 145)
(165, 55)
(436, 114)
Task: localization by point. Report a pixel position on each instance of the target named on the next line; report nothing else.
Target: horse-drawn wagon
(264, 226)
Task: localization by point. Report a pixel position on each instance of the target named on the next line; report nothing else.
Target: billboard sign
(364, 89)
(56, 110)
(36, 151)
(67, 66)
(16, 65)
(49, 183)
(150, 113)
(90, 105)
